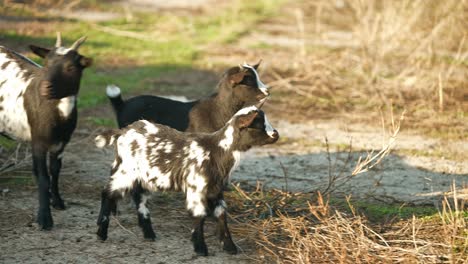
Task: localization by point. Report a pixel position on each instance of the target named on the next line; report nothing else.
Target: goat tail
(115, 96)
(107, 138)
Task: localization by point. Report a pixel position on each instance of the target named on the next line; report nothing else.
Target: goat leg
(198, 238)
(108, 203)
(44, 217)
(144, 220)
(222, 228)
(55, 164)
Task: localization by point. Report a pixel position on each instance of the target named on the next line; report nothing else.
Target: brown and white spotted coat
(152, 157)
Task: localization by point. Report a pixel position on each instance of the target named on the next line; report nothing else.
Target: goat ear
(235, 75)
(39, 51)
(86, 62)
(258, 64)
(244, 121)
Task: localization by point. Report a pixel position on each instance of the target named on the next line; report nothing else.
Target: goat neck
(226, 104)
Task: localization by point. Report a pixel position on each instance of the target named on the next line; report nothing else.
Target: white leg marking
(142, 209)
(220, 209)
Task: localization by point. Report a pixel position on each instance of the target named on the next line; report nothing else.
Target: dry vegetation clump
(372, 53)
(304, 228)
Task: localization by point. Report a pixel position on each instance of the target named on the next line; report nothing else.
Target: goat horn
(59, 40)
(78, 43)
(259, 61)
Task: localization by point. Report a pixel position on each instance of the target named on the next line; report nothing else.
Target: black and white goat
(38, 104)
(239, 87)
(151, 157)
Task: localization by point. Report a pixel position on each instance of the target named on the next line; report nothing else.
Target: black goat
(239, 87)
(152, 157)
(38, 104)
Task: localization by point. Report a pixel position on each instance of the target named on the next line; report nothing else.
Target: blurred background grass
(346, 58)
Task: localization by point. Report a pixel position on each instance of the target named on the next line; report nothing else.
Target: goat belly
(157, 180)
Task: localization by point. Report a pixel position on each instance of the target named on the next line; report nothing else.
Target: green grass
(13, 179)
(103, 122)
(8, 144)
(379, 212)
(131, 53)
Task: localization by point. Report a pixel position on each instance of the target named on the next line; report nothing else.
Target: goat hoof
(101, 235)
(58, 204)
(44, 219)
(201, 250)
(150, 236)
(230, 248)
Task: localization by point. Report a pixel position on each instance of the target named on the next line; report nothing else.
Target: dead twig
(121, 226)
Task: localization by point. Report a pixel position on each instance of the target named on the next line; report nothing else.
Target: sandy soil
(73, 238)
(399, 178)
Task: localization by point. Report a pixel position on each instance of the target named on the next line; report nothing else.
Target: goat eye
(77, 58)
(69, 67)
(249, 81)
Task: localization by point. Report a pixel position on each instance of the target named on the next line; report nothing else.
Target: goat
(151, 157)
(239, 87)
(38, 104)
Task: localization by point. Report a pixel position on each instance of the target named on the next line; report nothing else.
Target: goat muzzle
(261, 101)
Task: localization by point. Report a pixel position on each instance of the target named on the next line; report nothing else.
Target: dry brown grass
(304, 228)
(371, 54)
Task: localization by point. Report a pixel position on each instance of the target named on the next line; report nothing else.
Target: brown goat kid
(38, 104)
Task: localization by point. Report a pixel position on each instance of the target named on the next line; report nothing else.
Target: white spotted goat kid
(151, 157)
